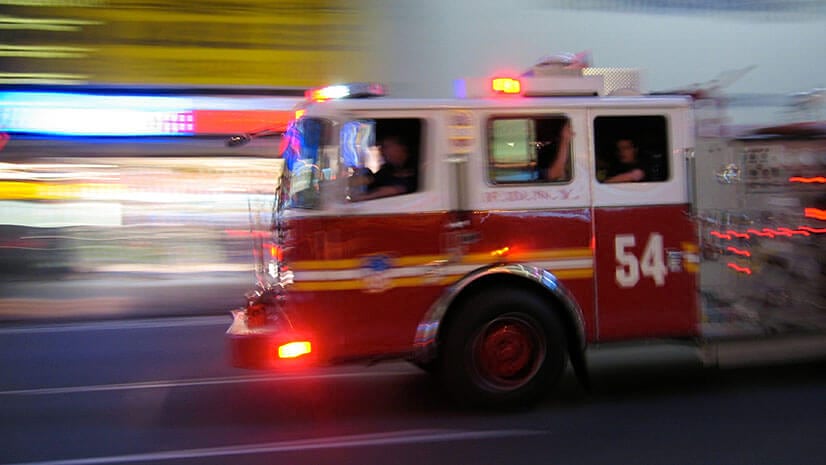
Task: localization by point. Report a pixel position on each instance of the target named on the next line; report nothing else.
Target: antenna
(711, 88)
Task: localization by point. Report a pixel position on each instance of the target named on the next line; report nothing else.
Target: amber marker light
(500, 252)
(506, 85)
(294, 349)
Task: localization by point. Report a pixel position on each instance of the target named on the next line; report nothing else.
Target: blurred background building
(223, 43)
(119, 197)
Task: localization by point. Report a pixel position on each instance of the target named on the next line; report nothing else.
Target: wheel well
(554, 304)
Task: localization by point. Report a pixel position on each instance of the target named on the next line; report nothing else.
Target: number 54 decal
(651, 264)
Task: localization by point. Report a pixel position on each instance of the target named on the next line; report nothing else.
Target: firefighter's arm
(557, 171)
(384, 191)
(629, 176)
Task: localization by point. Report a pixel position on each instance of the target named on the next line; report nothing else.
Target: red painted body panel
(535, 230)
(361, 322)
(645, 309)
(356, 322)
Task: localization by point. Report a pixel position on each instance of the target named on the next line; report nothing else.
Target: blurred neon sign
(734, 250)
(815, 213)
(812, 180)
(76, 114)
(768, 232)
(739, 269)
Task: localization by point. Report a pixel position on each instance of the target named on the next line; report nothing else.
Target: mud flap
(580, 365)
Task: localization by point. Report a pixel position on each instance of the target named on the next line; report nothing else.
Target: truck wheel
(430, 367)
(503, 349)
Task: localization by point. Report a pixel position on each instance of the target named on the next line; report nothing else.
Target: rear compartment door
(645, 240)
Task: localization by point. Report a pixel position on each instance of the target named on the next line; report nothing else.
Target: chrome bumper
(257, 347)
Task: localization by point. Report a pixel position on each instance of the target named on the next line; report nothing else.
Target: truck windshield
(309, 159)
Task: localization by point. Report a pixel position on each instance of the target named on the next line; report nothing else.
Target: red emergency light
(504, 85)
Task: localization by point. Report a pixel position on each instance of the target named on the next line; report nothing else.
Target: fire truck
(528, 219)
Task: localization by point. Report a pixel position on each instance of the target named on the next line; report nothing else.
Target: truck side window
(631, 148)
(381, 157)
(529, 150)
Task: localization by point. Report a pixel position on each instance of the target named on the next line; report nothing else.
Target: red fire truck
(493, 237)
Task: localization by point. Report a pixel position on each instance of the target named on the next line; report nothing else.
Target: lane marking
(333, 442)
(121, 324)
(197, 382)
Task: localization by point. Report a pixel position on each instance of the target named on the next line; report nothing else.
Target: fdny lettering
(528, 195)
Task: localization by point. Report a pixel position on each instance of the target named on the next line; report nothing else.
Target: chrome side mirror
(237, 141)
(728, 174)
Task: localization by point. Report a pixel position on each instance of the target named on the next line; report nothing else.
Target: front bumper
(257, 347)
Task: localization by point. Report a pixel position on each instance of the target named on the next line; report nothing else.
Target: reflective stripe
(326, 264)
(361, 284)
(425, 260)
(426, 271)
(691, 257)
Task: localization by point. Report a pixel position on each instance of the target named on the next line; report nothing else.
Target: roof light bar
(543, 86)
(328, 93)
(352, 90)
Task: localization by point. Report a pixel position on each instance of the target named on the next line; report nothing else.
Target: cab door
(365, 276)
(645, 241)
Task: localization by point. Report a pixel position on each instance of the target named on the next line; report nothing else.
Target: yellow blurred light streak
(44, 24)
(42, 78)
(161, 15)
(111, 192)
(250, 42)
(207, 53)
(57, 3)
(16, 190)
(61, 166)
(43, 51)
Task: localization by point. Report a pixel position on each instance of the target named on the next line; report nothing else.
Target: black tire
(505, 348)
(430, 367)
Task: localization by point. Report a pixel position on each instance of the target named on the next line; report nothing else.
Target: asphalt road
(160, 391)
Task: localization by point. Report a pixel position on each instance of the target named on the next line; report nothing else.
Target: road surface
(160, 391)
